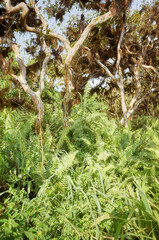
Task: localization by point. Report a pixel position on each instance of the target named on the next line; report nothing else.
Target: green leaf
(30, 235)
(144, 199)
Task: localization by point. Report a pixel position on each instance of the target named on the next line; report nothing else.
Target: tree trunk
(123, 104)
(67, 101)
(40, 110)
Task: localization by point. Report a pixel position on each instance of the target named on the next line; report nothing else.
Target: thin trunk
(123, 104)
(67, 101)
(40, 113)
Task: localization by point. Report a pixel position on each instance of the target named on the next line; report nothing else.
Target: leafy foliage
(92, 180)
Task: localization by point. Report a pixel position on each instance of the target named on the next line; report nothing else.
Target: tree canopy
(118, 48)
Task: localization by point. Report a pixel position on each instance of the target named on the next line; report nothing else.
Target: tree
(124, 57)
(40, 28)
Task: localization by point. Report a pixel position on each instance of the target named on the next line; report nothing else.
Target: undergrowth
(101, 181)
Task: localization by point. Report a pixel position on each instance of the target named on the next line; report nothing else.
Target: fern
(84, 100)
(65, 163)
(100, 179)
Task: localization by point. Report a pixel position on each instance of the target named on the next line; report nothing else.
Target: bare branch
(119, 48)
(140, 63)
(150, 67)
(25, 11)
(134, 103)
(43, 20)
(44, 66)
(131, 111)
(22, 77)
(105, 69)
(15, 76)
(138, 92)
(35, 96)
(45, 47)
(71, 51)
(101, 19)
(144, 97)
(15, 47)
(49, 32)
(100, 64)
(128, 51)
(120, 83)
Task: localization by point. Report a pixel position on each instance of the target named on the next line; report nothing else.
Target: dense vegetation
(81, 163)
(92, 180)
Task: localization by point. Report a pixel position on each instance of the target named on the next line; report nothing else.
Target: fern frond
(65, 163)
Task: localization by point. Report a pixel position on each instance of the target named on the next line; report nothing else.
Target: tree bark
(123, 104)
